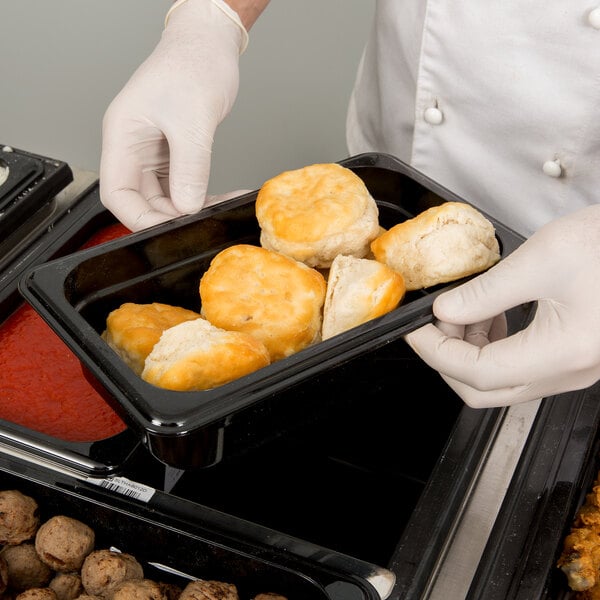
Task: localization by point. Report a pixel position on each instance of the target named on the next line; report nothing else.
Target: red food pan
(49, 411)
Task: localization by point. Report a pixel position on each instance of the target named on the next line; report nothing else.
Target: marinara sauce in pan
(42, 386)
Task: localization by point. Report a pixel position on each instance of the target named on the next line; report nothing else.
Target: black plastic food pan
(164, 264)
(179, 548)
(67, 229)
(556, 470)
(28, 185)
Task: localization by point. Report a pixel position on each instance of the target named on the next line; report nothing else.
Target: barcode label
(126, 487)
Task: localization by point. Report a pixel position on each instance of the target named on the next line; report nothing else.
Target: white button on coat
(594, 18)
(433, 115)
(552, 168)
(511, 111)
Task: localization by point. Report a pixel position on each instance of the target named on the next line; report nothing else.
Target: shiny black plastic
(75, 293)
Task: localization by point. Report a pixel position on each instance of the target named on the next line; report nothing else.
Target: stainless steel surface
(455, 571)
(82, 179)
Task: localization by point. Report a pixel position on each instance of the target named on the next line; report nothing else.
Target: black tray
(557, 469)
(75, 293)
(176, 541)
(27, 192)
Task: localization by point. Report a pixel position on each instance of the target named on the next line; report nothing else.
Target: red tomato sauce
(42, 386)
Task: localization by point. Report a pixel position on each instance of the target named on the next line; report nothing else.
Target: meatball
(3, 575)
(25, 568)
(19, 517)
(67, 586)
(138, 589)
(103, 570)
(37, 593)
(171, 591)
(209, 590)
(63, 543)
(269, 596)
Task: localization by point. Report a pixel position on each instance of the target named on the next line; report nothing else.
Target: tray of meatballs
(65, 542)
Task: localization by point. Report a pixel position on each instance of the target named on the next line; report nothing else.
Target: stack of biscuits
(324, 265)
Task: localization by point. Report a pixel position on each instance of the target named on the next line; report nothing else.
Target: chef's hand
(559, 351)
(158, 131)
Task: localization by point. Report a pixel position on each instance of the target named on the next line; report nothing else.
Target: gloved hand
(559, 351)
(158, 131)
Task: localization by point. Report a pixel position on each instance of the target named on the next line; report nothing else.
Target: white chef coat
(497, 101)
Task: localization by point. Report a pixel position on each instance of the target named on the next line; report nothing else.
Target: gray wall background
(62, 62)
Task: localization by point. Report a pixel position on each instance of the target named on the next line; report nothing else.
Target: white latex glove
(559, 267)
(158, 132)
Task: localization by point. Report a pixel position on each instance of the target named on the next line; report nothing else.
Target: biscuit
(133, 329)
(266, 294)
(441, 244)
(196, 355)
(314, 213)
(358, 290)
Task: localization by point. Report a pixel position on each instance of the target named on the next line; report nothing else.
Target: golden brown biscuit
(133, 329)
(358, 290)
(317, 212)
(196, 355)
(273, 297)
(440, 244)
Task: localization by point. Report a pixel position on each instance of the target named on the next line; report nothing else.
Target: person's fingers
(484, 332)
(504, 363)
(537, 353)
(491, 398)
(493, 292)
(153, 191)
(189, 172)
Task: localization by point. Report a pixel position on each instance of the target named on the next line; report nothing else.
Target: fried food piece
(580, 557)
(269, 596)
(63, 543)
(209, 590)
(19, 517)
